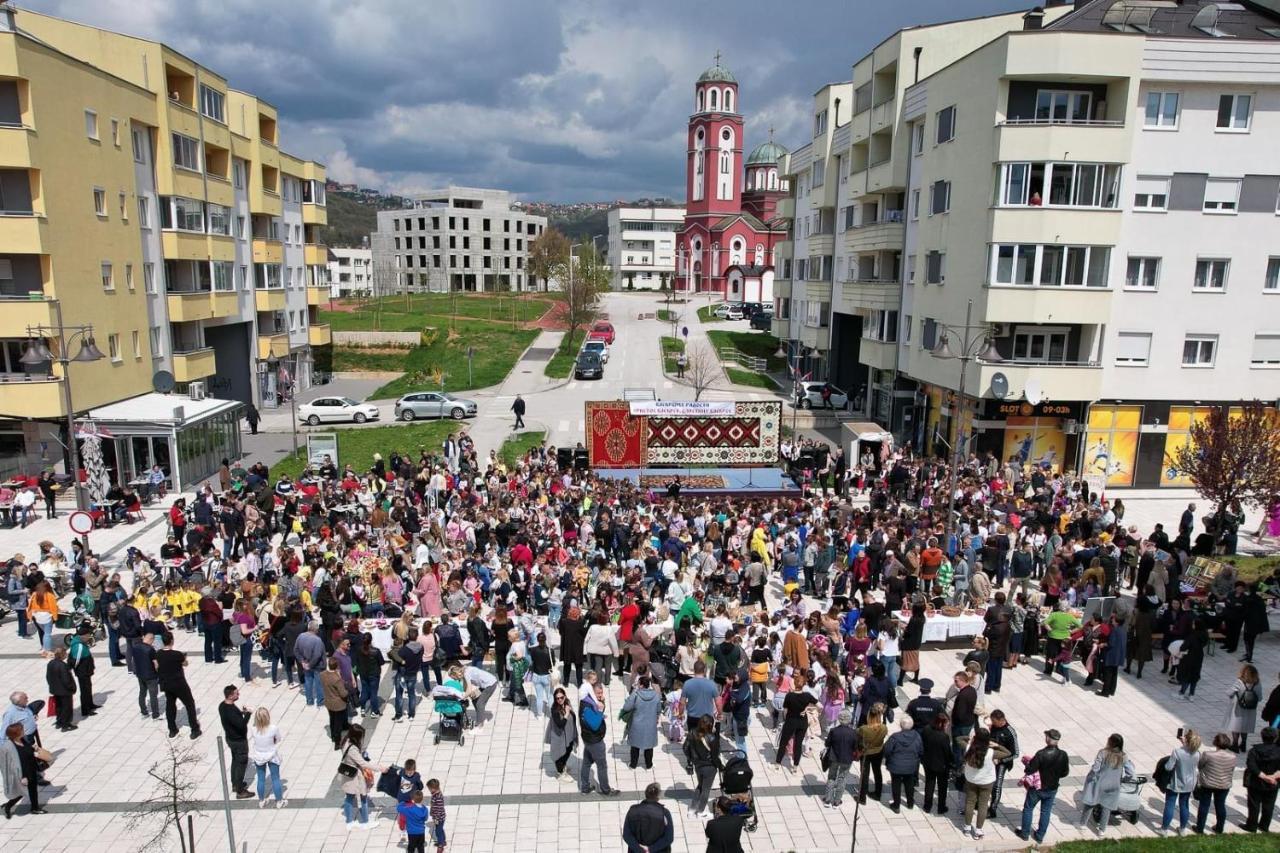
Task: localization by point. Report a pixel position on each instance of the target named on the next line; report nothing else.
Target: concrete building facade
(350, 271)
(642, 246)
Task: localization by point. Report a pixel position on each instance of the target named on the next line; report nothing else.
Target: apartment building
(458, 238)
(1101, 194)
(146, 197)
(350, 271)
(642, 246)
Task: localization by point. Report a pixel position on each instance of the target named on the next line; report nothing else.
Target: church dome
(717, 74)
(766, 153)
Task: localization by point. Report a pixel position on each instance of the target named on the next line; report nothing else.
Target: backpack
(237, 635)
(1248, 700)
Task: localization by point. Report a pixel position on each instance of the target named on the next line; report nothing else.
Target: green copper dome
(766, 152)
(717, 74)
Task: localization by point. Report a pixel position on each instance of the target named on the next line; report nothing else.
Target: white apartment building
(459, 238)
(642, 246)
(350, 271)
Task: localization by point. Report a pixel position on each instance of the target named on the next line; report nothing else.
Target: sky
(576, 100)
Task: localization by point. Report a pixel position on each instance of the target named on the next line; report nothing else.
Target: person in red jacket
(626, 628)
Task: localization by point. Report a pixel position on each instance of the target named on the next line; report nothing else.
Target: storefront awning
(165, 411)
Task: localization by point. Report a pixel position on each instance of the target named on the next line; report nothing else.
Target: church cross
(717, 59)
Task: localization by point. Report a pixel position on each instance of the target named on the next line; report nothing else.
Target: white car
(810, 396)
(599, 347)
(726, 311)
(332, 409)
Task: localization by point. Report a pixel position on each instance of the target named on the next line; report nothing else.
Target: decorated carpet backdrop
(616, 439)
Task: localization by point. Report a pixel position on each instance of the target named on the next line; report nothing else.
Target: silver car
(433, 404)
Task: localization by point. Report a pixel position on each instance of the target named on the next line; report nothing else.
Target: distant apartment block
(642, 246)
(350, 272)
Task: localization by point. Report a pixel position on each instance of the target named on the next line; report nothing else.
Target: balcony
(1013, 304)
(270, 300)
(268, 251)
(26, 396)
(1058, 381)
(785, 208)
(15, 146)
(315, 254)
(883, 114)
(22, 232)
(881, 355)
(821, 244)
(881, 177)
(18, 312)
(1033, 140)
(319, 335)
(317, 294)
(194, 364)
(184, 246)
(1078, 226)
(273, 346)
(314, 214)
(879, 236)
(201, 305)
(867, 293)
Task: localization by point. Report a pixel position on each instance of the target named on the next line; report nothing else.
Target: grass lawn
(357, 446)
(738, 376)
(1251, 569)
(759, 344)
(671, 347)
(434, 309)
(1235, 843)
(561, 364)
(706, 314)
(514, 448)
(665, 316)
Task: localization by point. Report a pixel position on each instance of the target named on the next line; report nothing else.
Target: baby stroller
(451, 704)
(735, 783)
(1129, 803)
(663, 667)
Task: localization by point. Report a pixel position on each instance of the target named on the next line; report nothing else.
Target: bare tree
(177, 775)
(1234, 455)
(384, 278)
(582, 279)
(702, 370)
(548, 253)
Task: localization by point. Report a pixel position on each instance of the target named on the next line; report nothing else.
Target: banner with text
(682, 409)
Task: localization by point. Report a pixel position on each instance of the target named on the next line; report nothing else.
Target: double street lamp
(973, 346)
(37, 352)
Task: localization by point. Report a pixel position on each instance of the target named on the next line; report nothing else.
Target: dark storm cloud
(554, 99)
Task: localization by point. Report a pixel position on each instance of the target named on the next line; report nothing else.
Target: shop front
(1044, 435)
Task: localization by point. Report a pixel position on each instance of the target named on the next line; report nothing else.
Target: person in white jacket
(601, 647)
(264, 752)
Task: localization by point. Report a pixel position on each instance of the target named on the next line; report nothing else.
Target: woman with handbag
(1216, 771)
(1102, 784)
(264, 752)
(18, 768)
(356, 775)
(1184, 763)
(1242, 707)
(562, 732)
(43, 611)
(644, 706)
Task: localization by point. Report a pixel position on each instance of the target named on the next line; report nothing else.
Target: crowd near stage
(710, 482)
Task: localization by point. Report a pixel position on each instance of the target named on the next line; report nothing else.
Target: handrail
(751, 362)
(1040, 122)
(1023, 362)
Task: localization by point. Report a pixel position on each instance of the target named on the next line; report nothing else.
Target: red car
(602, 331)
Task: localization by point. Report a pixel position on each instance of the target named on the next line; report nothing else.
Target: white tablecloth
(938, 629)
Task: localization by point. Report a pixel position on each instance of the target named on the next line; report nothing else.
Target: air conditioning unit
(1000, 330)
(195, 390)
(1070, 427)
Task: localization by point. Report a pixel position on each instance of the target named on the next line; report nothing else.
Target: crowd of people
(805, 615)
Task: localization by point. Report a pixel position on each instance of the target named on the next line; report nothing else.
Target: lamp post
(37, 352)
(979, 347)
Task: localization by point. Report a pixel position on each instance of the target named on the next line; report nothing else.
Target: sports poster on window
(1038, 442)
(1181, 419)
(1111, 447)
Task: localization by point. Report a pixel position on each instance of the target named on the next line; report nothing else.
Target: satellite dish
(163, 381)
(1032, 392)
(999, 386)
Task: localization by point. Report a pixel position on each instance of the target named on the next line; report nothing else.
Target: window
(946, 125)
(222, 279)
(1233, 112)
(1162, 110)
(100, 201)
(113, 347)
(124, 206)
(1059, 184)
(149, 277)
(186, 152)
(1272, 281)
(115, 132)
(1221, 195)
(137, 345)
(139, 151)
(240, 230)
(237, 175)
(911, 269)
(819, 123)
(157, 343)
(1266, 350)
(1142, 274)
(915, 205)
(1133, 348)
(1199, 350)
(862, 98)
(906, 329)
(108, 279)
(242, 277)
(144, 212)
(1040, 345)
(1063, 107)
(939, 197)
(1211, 274)
(935, 268)
(819, 173)
(1150, 193)
(211, 101)
(128, 276)
(917, 138)
(91, 124)
(1049, 265)
(188, 214)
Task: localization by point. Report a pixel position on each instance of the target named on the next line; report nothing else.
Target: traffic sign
(685, 331)
(80, 523)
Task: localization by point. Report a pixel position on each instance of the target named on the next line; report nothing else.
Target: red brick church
(727, 244)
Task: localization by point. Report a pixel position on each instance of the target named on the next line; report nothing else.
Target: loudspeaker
(820, 456)
(580, 459)
(564, 458)
(808, 460)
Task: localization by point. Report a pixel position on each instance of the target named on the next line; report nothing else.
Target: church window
(728, 100)
(701, 99)
(773, 179)
(712, 100)
(726, 135)
(724, 162)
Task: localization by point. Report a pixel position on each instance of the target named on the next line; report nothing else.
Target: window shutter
(1266, 349)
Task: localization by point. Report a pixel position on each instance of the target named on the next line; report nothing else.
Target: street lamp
(982, 348)
(38, 352)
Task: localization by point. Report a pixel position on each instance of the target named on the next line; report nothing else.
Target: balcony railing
(871, 279)
(1041, 122)
(1027, 362)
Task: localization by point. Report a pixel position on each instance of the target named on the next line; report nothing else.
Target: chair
(133, 512)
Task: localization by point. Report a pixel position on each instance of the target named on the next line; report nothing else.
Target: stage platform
(747, 482)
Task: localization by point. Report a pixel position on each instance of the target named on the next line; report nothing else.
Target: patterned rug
(687, 481)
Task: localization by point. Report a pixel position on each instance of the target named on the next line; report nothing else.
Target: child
(410, 783)
(437, 812)
(413, 815)
(675, 712)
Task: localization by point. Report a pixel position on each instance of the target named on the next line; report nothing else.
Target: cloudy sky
(559, 101)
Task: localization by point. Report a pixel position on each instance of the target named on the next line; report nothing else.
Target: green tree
(548, 252)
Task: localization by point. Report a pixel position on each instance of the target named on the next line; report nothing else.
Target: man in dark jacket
(128, 625)
(142, 659)
(1003, 734)
(1112, 655)
(1262, 780)
(170, 665)
(518, 408)
(925, 708)
(648, 827)
(235, 726)
(211, 622)
(62, 686)
(1255, 621)
(449, 638)
(842, 744)
(1052, 764)
(591, 714)
(964, 715)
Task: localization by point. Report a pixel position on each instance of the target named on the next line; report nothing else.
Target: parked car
(599, 347)
(602, 330)
(751, 309)
(810, 396)
(434, 404)
(588, 366)
(728, 311)
(762, 321)
(333, 409)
